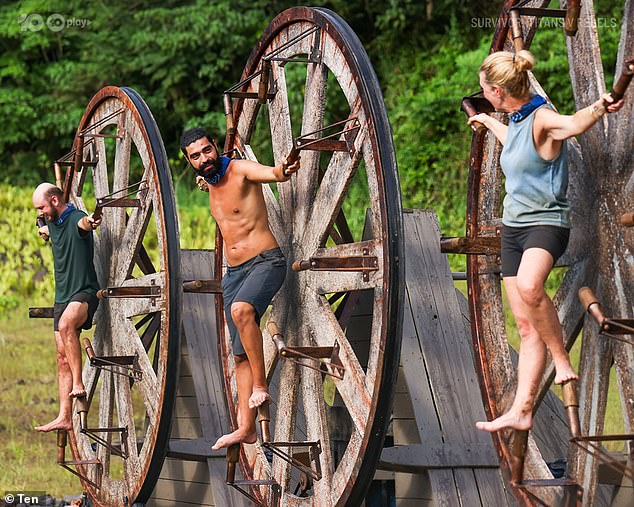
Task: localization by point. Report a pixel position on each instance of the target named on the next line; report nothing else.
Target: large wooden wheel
(136, 255)
(599, 256)
(320, 74)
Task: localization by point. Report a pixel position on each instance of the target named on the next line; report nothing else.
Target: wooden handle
(300, 265)
(59, 177)
(233, 453)
(518, 453)
(98, 213)
(470, 109)
(90, 352)
(272, 328)
(571, 20)
(620, 87)
(292, 155)
(192, 285)
(231, 125)
(263, 86)
(591, 304)
(516, 30)
(627, 219)
(569, 393)
(587, 297)
(62, 440)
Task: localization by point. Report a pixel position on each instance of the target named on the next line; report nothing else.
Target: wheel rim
(135, 247)
(601, 169)
(301, 308)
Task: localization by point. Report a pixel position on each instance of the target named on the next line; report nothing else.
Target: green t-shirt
(73, 258)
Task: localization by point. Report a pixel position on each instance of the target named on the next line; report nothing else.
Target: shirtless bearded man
(256, 266)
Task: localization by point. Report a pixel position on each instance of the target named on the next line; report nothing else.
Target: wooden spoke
(131, 240)
(302, 217)
(329, 197)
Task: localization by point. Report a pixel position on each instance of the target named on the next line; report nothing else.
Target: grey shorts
(256, 282)
(82, 297)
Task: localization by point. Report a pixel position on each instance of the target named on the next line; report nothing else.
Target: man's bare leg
(69, 326)
(64, 384)
(246, 416)
(243, 315)
(540, 310)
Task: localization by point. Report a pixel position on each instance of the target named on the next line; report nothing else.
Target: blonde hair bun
(524, 60)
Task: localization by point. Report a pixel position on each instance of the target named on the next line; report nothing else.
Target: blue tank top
(535, 188)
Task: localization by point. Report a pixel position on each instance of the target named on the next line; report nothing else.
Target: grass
(28, 396)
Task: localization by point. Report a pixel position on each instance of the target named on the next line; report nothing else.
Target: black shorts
(515, 240)
(82, 297)
(255, 281)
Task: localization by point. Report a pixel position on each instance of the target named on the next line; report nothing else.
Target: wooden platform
(192, 473)
(440, 458)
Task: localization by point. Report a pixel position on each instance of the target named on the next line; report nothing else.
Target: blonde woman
(535, 221)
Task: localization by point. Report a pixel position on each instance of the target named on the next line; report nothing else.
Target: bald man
(70, 231)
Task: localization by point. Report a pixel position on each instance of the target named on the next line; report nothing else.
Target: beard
(53, 216)
(210, 169)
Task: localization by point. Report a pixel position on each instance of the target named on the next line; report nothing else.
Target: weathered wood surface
(200, 413)
(438, 377)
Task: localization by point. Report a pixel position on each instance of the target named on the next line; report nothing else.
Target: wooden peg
(571, 403)
(518, 453)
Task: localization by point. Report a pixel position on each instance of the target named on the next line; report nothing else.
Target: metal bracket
(120, 365)
(236, 91)
(573, 498)
(151, 291)
(364, 263)
(121, 451)
(314, 57)
(233, 454)
(331, 142)
(302, 461)
(587, 444)
(298, 355)
(120, 131)
(62, 440)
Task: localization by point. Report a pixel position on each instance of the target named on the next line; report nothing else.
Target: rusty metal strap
(313, 456)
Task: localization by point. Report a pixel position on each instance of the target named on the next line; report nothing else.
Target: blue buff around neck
(65, 214)
(224, 163)
(527, 108)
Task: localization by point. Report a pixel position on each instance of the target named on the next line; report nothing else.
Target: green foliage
(430, 132)
(27, 261)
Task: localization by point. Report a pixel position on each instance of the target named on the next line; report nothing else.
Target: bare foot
(60, 423)
(237, 437)
(508, 420)
(258, 397)
(79, 391)
(564, 372)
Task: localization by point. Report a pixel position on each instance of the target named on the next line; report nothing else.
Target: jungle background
(180, 56)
